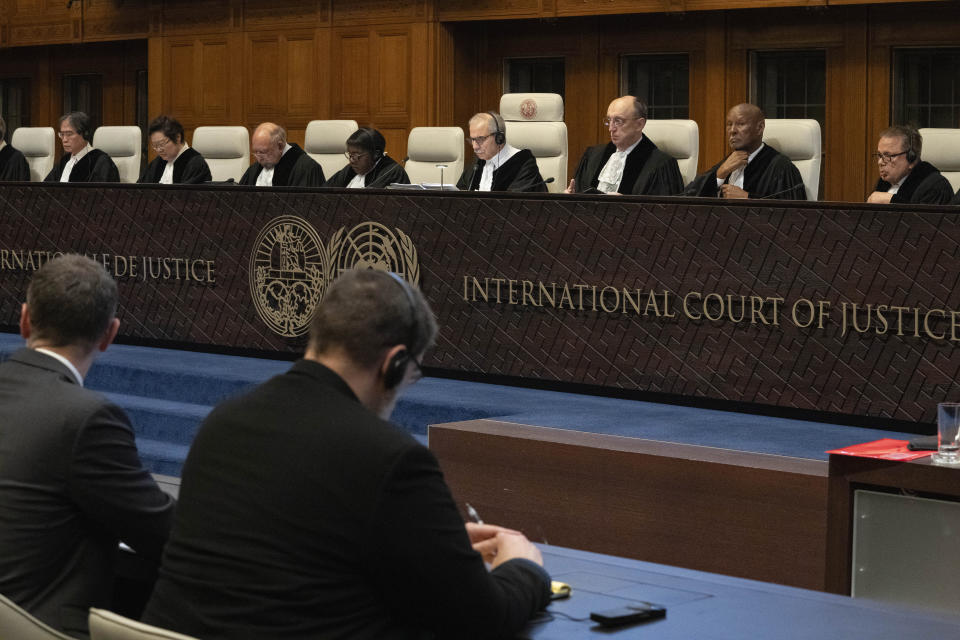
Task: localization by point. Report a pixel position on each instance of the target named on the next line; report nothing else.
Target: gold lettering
(666, 305)
(193, 270)
(211, 271)
(551, 297)
(743, 308)
(17, 259)
(706, 310)
(881, 320)
(954, 316)
(633, 303)
(651, 302)
(528, 294)
(466, 298)
(616, 304)
(566, 296)
(926, 324)
(823, 307)
(899, 311)
(843, 319)
(756, 310)
(793, 312)
(511, 291)
(4, 259)
(916, 322)
(498, 282)
(853, 316)
(580, 288)
(686, 307)
(119, 266)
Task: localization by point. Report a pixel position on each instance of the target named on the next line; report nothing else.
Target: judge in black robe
(286, 165)
(956, 198)
(753, 169)
(167, 139)
(91, 165)
(898, 162)
(13, 164)
(512, 169)
(645, 169)
(368, 165)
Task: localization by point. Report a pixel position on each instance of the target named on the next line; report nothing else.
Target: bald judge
(630, 163)
(753, 169)
(279, 163)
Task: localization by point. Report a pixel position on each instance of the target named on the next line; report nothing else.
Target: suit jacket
(519, 173)
(647, 171)
(924, 185)
(13, 165)
(384, 173)
(95, 166)
(295, 169)
(770, 175)
(189, 168)
(71, 486)
(304, 515)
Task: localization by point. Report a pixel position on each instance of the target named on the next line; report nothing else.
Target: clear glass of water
(948, 434)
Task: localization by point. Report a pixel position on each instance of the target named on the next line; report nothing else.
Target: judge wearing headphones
(499, 166)
(369, 166)
(80, 162)
(904, 178)
(305, 513)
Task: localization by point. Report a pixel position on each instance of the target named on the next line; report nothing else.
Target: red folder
(884, 449)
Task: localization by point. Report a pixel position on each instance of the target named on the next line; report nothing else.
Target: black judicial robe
(295, 169)
(648, 171)
(189, 168)
(384, 173)
(769, 175)
(518, 173)
(13, 166)
(956, 198)
(924, 185)
(96, 166)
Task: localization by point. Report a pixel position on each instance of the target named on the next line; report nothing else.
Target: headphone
(397, 366)
(499, 135)
(911, 155)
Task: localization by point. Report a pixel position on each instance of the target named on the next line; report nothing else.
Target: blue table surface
(706, 606)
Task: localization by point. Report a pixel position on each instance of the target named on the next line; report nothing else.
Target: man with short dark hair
(278, 163)
(304, 513)
(499, 166)
(630, 164)
(71, 482)
(13, 165)
(904, 177)
(753, 169)
(80, 162)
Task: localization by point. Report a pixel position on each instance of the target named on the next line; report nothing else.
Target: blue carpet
(168, 392)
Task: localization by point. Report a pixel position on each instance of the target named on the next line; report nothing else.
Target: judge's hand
(508, 545)
(880, 197)
(483, 537)
(572, 187)
(732, 191)
(736, 160)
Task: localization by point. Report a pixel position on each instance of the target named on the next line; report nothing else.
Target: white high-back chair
(941, 148)
(799, 140)
(37, 146)
(326, 141)
(123, 145)
(535, 121)
(679, 139)
(107, 625)
(429, 146)
(226, 150)
(15, 623)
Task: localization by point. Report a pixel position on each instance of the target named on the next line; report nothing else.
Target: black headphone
(397, 366)
(499, 136)
(911, 155)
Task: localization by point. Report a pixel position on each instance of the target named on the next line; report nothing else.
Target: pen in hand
(473, 513)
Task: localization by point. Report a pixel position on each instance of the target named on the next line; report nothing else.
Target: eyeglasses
(617, 122)
(886, 158)
(65, 134)
(353, 157)
(160, 146)
(479, 140)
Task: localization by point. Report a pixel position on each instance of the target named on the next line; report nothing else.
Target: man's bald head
(626, 117)
(268, 142)
(745, 124)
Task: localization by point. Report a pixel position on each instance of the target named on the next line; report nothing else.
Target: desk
(705, 606)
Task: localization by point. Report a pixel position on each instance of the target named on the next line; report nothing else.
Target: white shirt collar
(630, 149)
(755, 152)
(72, 162)
(59, 358)
(3, 143)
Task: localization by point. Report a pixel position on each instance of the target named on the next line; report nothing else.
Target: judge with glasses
(80, 162)
(369, 166)
(176, 162)
(904, 177)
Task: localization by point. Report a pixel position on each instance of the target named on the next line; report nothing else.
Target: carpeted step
(159, 419)
(162, 457)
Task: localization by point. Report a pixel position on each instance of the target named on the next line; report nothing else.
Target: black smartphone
(628, 614)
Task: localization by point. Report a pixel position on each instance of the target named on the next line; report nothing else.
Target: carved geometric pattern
(829, 252)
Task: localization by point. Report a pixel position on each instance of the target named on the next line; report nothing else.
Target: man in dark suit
(71, 482)
(80, 162)
(630, 163)
(278, 163)
(304, 513)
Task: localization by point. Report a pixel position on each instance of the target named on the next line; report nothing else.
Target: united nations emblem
(290, 266)
(528, 109)
(288, 274)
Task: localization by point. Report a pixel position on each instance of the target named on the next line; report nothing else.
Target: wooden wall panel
(34, 22)
(351, 61)
(178, 81)
(215, 16)
(393, 70)
(302, 66)
(264, 73)
(285, 14)
(491, 10)
(110, 20)
(215, 79)
(347, 13)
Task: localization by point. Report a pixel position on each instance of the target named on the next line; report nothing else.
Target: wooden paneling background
(397, 64)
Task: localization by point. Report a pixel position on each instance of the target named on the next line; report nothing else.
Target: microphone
(780, 193)
(441, 166)
(547, 181)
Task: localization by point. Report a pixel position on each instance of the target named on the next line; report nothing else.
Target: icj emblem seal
(528, 109)
(288, 274)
